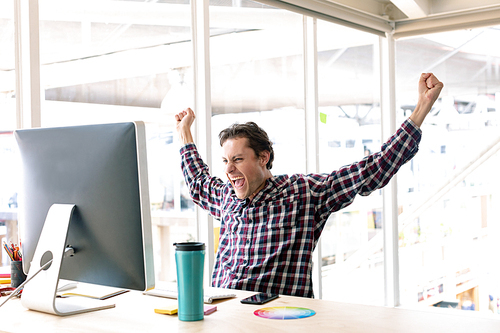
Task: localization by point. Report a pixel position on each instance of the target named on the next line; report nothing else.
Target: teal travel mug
(190, 257)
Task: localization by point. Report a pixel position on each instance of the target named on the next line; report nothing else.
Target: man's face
(246, 171)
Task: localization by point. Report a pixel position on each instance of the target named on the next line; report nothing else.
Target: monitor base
(40, 293)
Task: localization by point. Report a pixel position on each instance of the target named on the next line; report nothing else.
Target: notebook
(171, 292)
(90, 291)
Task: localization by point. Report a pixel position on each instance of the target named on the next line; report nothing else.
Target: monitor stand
(40, 292)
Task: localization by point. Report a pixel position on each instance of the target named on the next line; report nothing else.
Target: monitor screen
(102, 170)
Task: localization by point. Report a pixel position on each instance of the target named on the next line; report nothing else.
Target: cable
(15, 292)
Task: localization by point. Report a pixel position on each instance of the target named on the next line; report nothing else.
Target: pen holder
(17, 275)
(189, 258)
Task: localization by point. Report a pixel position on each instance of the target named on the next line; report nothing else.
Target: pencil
(13, 251)
(7, 249)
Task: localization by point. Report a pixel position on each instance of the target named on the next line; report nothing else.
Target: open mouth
(238, 182)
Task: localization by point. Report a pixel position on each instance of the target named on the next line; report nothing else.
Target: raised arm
(184, 121)
(429, 88)
(205, 190)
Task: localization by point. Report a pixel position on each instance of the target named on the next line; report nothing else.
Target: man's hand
(429, 88)
(184, 121)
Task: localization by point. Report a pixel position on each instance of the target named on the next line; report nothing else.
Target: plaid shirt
(266, 244)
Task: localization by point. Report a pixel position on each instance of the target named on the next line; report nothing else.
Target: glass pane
(349, 130)
(113, 61)
(449, 194)
(257, 75)
(7, 68)
(8, 158)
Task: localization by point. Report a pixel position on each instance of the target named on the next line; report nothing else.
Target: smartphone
(260, 298)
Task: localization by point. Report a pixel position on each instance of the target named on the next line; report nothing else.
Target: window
(257, 75)
(448, 194)
(8, 164)
(349, 129)
(118, 61)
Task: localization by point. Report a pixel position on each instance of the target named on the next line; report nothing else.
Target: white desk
(134, 312)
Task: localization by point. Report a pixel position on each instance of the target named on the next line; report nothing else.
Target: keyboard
(208, 297)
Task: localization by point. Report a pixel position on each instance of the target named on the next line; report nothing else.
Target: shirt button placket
(247, 243)
(247, 250)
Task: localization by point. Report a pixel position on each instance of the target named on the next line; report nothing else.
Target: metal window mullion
(311, 125)
(334, 13)
(390, 201)
(27, 64)
(202, 105)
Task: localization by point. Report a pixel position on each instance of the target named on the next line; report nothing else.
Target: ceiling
(404, 18)
(403, 10)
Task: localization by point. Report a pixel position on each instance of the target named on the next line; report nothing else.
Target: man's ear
(264, 157)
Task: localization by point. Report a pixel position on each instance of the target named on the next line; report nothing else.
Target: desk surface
(134, 312)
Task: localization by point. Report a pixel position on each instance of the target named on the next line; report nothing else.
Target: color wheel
(284, 312)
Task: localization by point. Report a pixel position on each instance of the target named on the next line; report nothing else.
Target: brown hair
(257, 138)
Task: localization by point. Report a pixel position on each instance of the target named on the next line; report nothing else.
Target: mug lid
(189, 246)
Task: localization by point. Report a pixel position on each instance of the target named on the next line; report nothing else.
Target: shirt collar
(273, 185)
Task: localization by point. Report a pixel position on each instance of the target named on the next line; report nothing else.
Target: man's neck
(269, 175)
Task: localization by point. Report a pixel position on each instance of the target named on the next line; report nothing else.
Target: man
(270, 225)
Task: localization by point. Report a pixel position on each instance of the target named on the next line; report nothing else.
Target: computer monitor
(84, 188)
